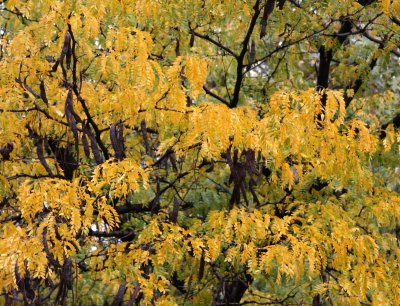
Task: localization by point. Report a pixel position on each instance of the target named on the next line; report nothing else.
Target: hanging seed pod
(113, 137)
(296, 176)
(252, 53)
(172, 158)
(93, 144)
(117, 140)
(66, 47)
(119, 298)
(68, 58)
(85, 143)
(43, 93)
(145, 137)
(68, 103)
(268, 8)
(175, 210)
(49, 255)
(72, 118)
(68, 274)
(40, 154)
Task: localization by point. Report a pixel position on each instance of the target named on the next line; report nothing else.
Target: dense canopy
(199, 152)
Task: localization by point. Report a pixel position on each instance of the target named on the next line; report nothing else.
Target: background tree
(199, 152)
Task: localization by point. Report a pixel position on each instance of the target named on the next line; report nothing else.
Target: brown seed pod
(43, 93)
(252, 53)
(117, 140)
(268, 8)
(85, 143)
(93, 144)
(66, 47)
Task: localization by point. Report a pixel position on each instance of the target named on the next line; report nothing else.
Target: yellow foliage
(143, 158)
(196, 72)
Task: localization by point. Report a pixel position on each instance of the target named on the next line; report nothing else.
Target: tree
(204, 152)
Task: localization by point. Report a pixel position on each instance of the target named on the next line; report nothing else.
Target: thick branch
(325, 58)
(240, 58)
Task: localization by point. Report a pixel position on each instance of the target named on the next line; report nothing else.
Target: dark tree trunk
(231, 292)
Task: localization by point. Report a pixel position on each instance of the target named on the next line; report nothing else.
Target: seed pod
(43, 93)
(120, 131)
(251, 164)
(117, 140)
(85, 143)
(119, 298)
(68, 274)
(252, 54)
(49, 255)
(72, 117)
(296, 176)
(68, 102)
(93, 144)
(68, 58)
(268, 8)
(66, 47)
(145, 137)
(281, 3)
(113, 137)
(172, 158)
(40, 154)
(175, 210)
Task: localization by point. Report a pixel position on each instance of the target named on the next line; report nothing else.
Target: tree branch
(213, 41)
(240, 58)
(209, 92)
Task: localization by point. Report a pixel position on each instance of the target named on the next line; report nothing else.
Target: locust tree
(199, 152)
